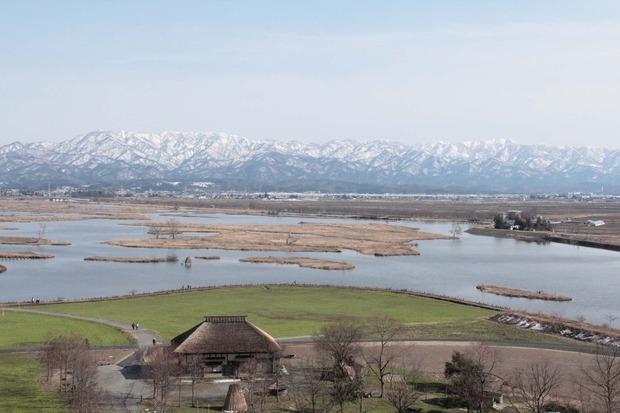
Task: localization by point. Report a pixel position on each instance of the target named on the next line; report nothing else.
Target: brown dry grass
(302, 262)
(126, 259)
(24, 241)
(570, 215)
(515, 292)
(29, 241)
(208, 257)
(41, 210)
(23, 254)
(370, 239)
(57, 218)
(432, 356)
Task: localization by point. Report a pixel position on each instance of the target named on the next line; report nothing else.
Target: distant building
(229, 345)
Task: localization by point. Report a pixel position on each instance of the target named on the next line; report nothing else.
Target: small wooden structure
(229, 345)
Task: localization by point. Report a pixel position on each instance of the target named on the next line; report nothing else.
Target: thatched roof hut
(225, 335)
(235, 400)
(227, 345)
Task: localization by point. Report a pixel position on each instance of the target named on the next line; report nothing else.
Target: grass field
(283, 311)
(19, 390)
(21, 330)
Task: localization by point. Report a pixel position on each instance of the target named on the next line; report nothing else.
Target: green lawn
(283, 311)
(21, 330)
(19, 390)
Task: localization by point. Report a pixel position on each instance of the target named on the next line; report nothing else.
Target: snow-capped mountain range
(108, 158)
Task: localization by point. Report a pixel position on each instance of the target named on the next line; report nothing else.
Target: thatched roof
(235, 401)
(225, 334)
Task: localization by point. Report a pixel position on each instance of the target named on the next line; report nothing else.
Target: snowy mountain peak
(107, 157)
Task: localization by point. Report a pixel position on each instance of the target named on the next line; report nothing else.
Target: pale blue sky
(411, 71)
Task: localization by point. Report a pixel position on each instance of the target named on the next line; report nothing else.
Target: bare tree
(533, 385)
(380, 361)
(77, 371)
(402, 393)
(402, 396)
(42, 230)
(257, 388)
(59, 353)
(472, 376)
(602, 378)
(162, 366)
(85, 396)
(196, 371)
(456, 230)
(310, 393)
(156, 229)
(610, 317)
(340, 343)
(49, 355)
(173, 227)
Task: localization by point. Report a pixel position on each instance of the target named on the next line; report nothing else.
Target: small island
(132, 260)
(208, 257)
(23, 255)
(304, 262)
(29, 241)
(514, 292)
(371, 239)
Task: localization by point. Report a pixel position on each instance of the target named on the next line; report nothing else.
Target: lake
(446, 267)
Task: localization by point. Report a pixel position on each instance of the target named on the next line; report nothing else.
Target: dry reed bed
(304, 262)
(29, 241)
(126, 259)
(208, 257)
(370, 239)
(41, 218)
(58, 218)
(23, 255)
(41, 210)
(517, 293)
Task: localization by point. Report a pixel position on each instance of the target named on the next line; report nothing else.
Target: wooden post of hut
(235, 400)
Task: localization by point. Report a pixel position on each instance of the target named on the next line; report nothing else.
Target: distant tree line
(530, 222)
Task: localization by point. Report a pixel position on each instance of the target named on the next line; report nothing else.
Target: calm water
(451, 267)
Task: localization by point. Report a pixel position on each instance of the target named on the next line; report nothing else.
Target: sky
(415, 71)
